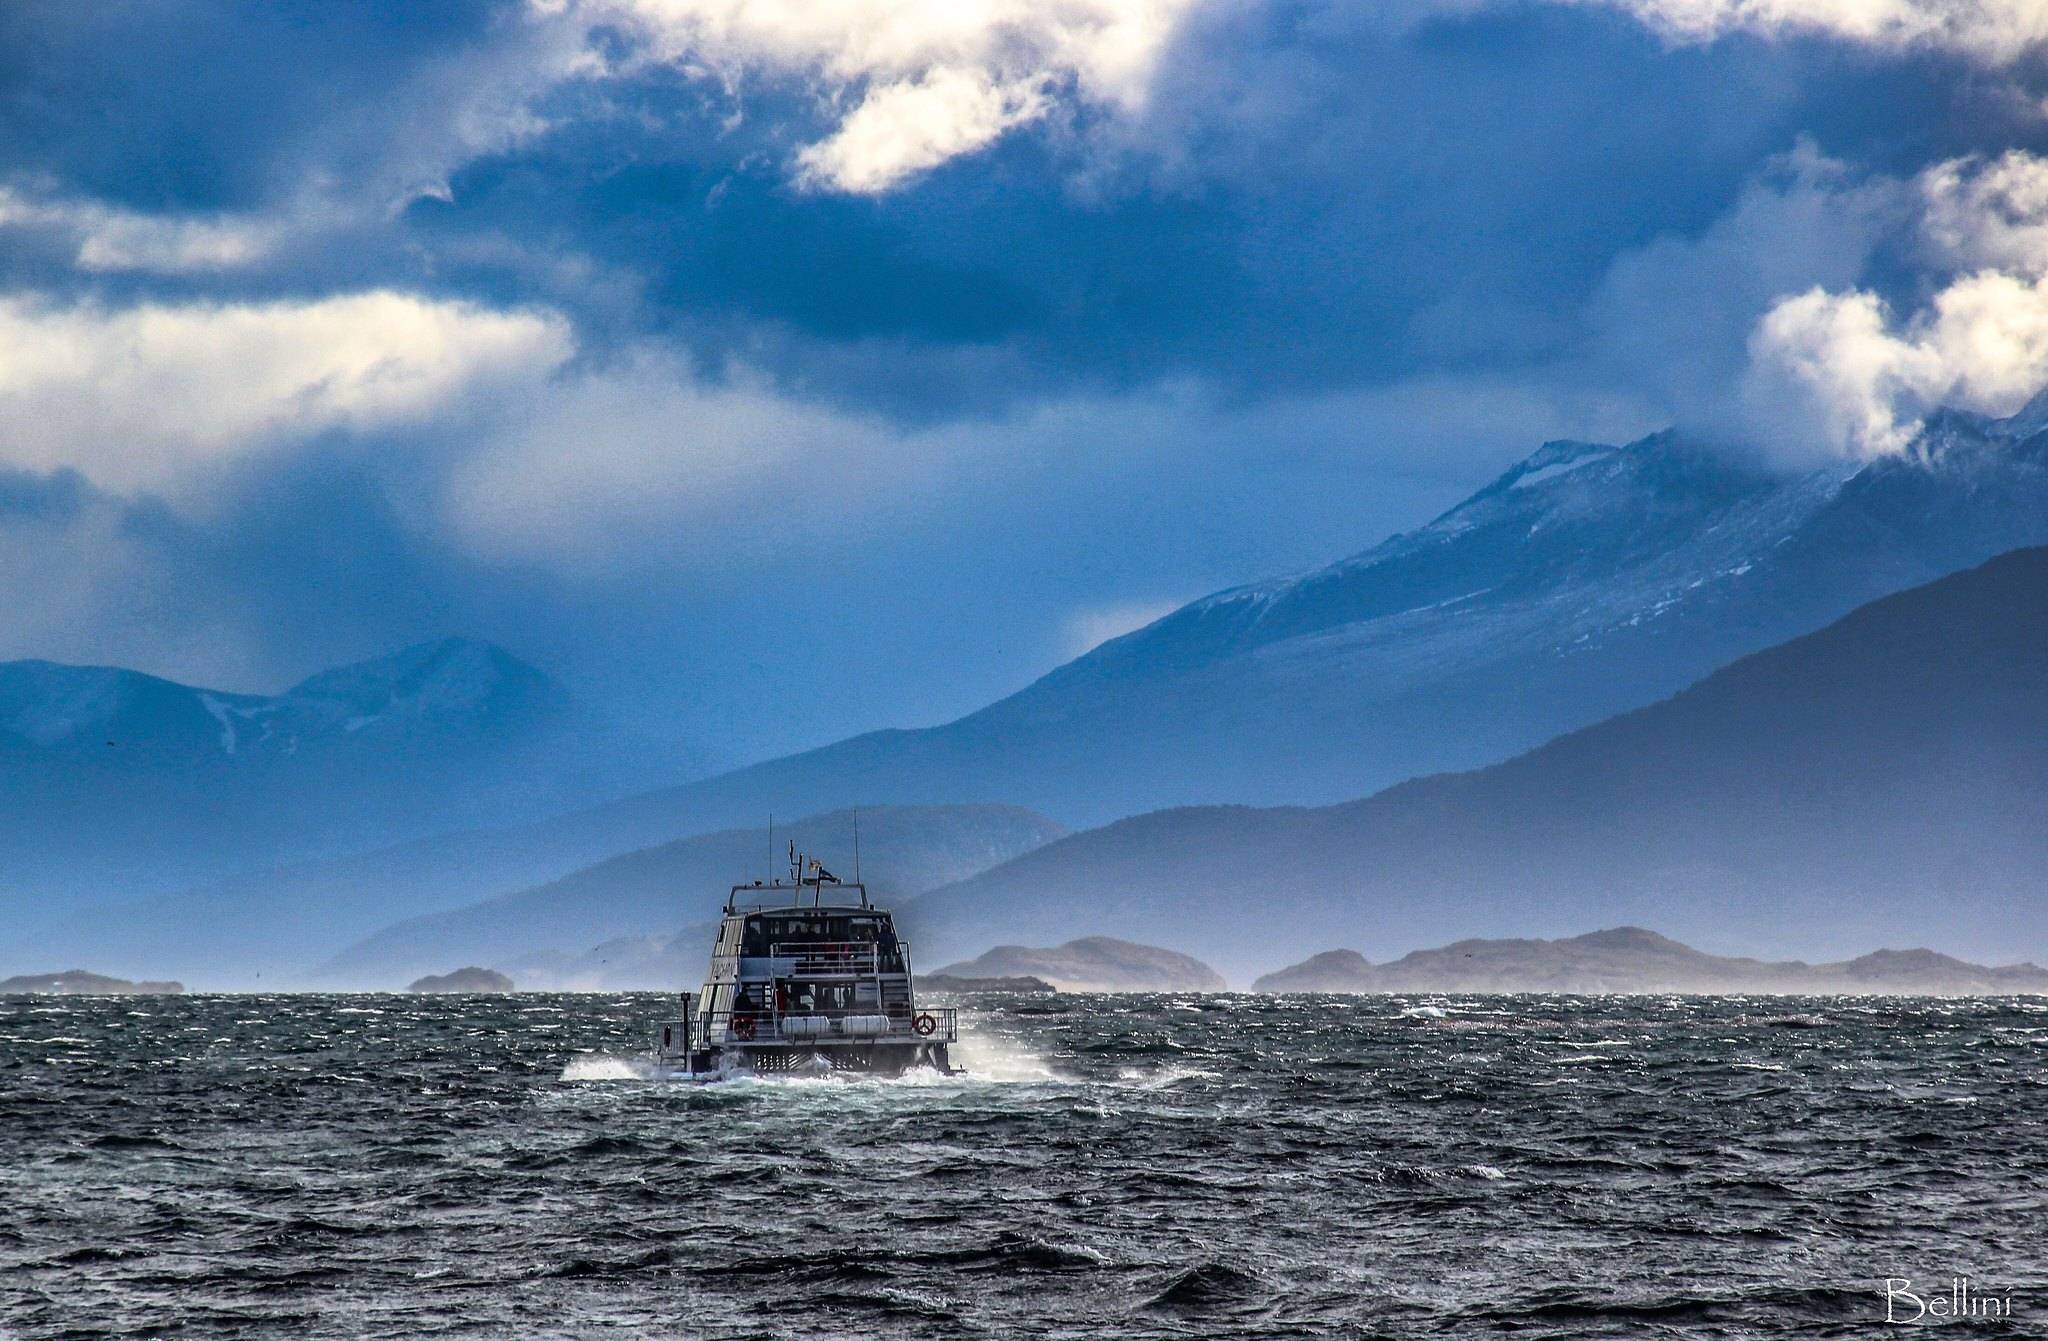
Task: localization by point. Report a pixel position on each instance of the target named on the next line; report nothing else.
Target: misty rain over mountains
(1586, 582)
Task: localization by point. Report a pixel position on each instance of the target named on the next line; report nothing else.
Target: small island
(463, 980)
(78, 982)
(1092, 964)
(1632, 959)
(946, 982)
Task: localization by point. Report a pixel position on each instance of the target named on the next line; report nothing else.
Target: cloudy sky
(785, 368)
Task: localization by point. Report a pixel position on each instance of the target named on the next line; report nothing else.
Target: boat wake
(977, 1063)
(605, 1066)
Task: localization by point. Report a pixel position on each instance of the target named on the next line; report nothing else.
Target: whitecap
(1161, 1079)
(994, 1059)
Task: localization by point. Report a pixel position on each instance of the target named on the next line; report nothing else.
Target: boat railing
(895, 1024)
(810, 959)
(814, 959)
(763, 896)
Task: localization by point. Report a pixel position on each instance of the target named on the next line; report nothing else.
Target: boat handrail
(819, 957)
(773, 894)
(825, 959)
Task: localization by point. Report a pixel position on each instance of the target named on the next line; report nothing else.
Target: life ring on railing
(742, 1026)
(926, 1025)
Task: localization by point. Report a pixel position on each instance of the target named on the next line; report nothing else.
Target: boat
(807, 977)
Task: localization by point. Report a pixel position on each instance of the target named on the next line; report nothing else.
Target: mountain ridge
(1205, 705)
(1091, 964)
(1633, 959)
(1586, 580)
(35, 692)
(122, 785)
(1829, 789)
(630, 901)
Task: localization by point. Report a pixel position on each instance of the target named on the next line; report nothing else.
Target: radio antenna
(856, 849)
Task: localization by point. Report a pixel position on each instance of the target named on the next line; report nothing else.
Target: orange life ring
(925, 1025)
(743, 1026)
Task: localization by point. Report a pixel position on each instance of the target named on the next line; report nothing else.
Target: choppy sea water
(1203, 1166)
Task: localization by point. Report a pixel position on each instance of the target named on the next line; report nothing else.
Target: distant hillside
(647, 895)
(946, 982)
(1093, 964)
(1585, 581)
(117, 784)
(1883, 777)
(77, 982)
(462, 981)
(1630, 959)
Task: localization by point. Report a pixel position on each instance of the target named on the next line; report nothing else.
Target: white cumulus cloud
(904, 128)
(106, 238)
(1988, 213)
(914, 83)
(136, 397)
(1999, 31)
(1840, 368)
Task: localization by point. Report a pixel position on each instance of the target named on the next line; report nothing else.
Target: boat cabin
(809, 975)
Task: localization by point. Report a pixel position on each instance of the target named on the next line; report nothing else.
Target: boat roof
(810, 886)
(770, 896)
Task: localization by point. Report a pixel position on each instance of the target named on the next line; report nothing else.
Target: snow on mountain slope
(451, 685)
(1881, 780)
(118, 783)
(1586, 581)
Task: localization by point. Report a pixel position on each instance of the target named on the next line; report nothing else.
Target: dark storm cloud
(1311, 198)
(1339, 266)
(169, 105)
(1300, 207)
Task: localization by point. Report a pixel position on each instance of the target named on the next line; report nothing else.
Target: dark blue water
(1131, 1166)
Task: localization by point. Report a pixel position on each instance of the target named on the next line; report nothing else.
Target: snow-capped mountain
(1884, 778)
(1587, 580)
(116, 783)
(452, 686)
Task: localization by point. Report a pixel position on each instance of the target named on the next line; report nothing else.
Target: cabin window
(800, 996)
